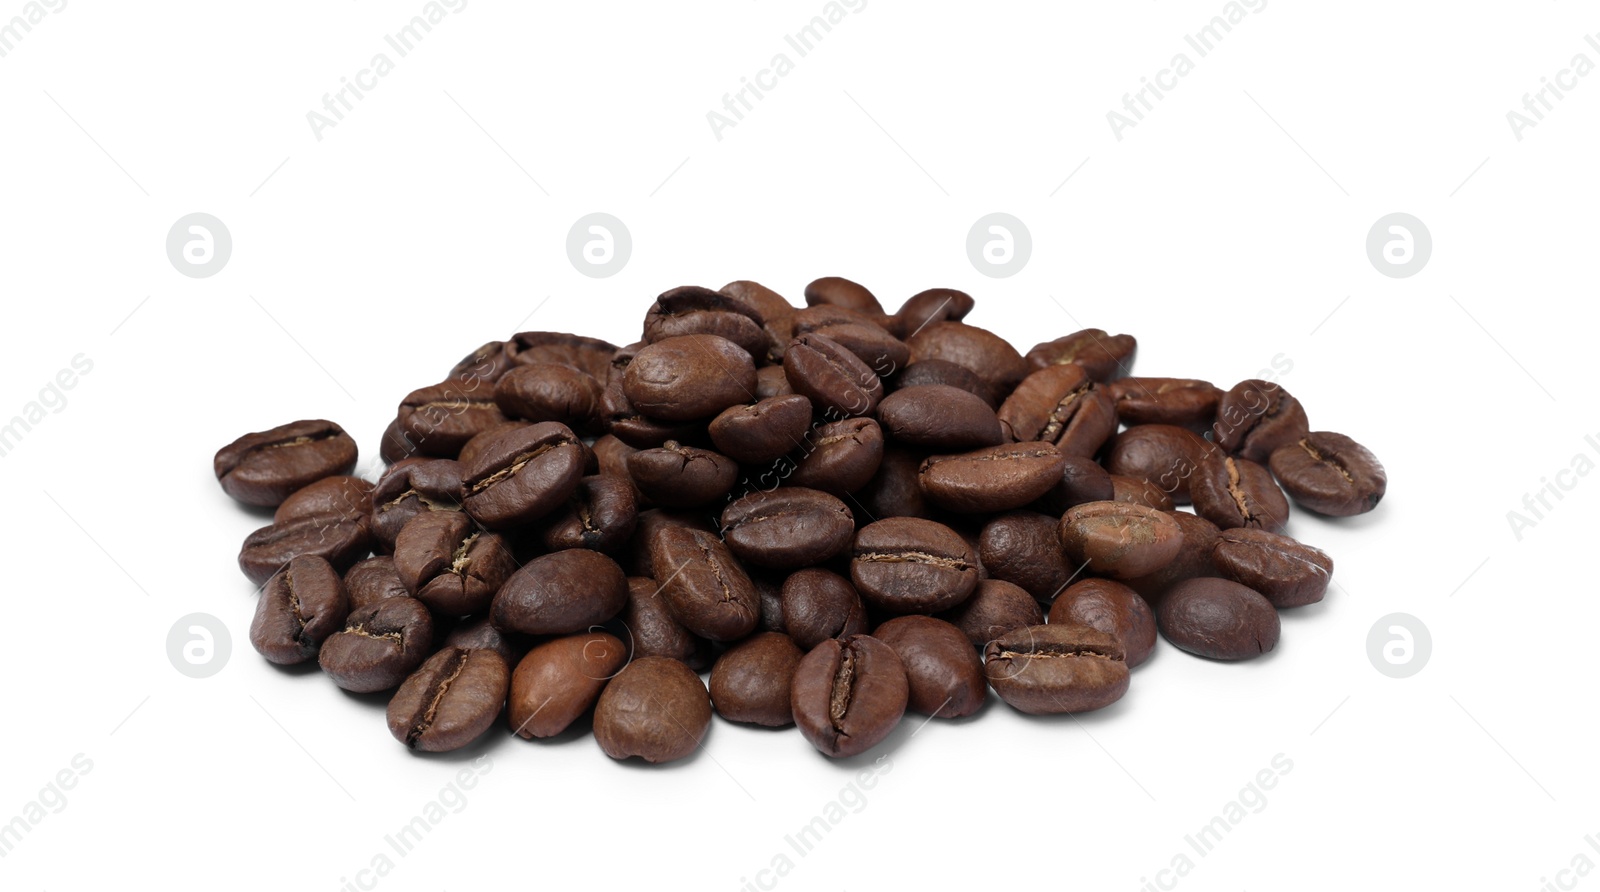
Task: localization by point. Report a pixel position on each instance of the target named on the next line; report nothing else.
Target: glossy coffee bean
(787, 528)
(1164, 454)
(481, 440)
(561, 593)
(763, 431)
(679, 476)
(600, 516)
(707, 589)
(818, 604)
(978, 350)
(611, 456)
(832, 377)
(1112, 608)
(1286, 572)
(341, 496)
(448, 563)
(995, 608)
(1048, 670)
(771, 380)
(379, 645)
(769, 594)
(450, 700)
(560, 680)
(265, 468)
(1024, 548)
(637, 559)
(627, 423)
(942, 669)
(1185, 402)
(776, 312)
(479, 633)
(1060, 405)
(590, 355)
(895, 491)
(547, 391)
(1120, 539)
(395, 446)
(1139, 491)
(840, 457)
(372, 580)
(934, 305)
(1256, 417)
(936, 417)
(441, 418)
(1219, 619)
(911, 565)
(998, 478)
(842, 292)
(1082, 480)
(656, 709)
(1330, 474)
(881, 351)
(1105, 357)
(523, 475)
(689, 378)
(848, 695)
(1236, 492)
(411, 487)
(300, 606)
(750, 682)
(652, 631)
(936, 371)
(1194, 558)
(341, 541)
(692, 310)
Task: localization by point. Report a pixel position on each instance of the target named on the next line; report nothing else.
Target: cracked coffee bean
(267, 467)
(523, 475)
(1236, 492)
(1120, 539)
(848, 695)
(1184, 402)
(911, 565)
(833, 378)
(1256, 417)
(1060, 405)
(678, 476)
(1112, 608)
(787, 528)
(410, 487)
(1048, 670)
(706, 588)
(656, 709)
(379, 645)
(300, 606)
(840, 457)
(600, 516)
(692, 310)
(450, 700)
(1286, 572)
(447, 563)
(1218, 619)
(440, 419)
(1330, 474)
(341, 541)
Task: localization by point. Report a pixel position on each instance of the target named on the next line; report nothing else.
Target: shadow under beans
(295, 670)
(476, 749)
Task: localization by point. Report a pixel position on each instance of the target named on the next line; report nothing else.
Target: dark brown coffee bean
(1193, 560)
(678, 476)
(560, 680)
(1330, 474)
(692, 310)
(1236, 492)
(1105, 357)
(831, 376)
(1047, 670)
(840, 457)
(611, 455)
(689, 378)
(379, 645)
(980, 351)
(750, 682)
(763, 431)
(412, 487)
(487, 363)
(479, 633)
(884, 353)
(895, 491)
(372, 580)
(394, 446)
(769, 592)
(1219, 619)
(937, 371)
(771, 380)
(943, 671)
(656, 709)
(1120, 539)
(1286, 572)
(848, 695)
(624, 421)
(1256, 417)
(1164, 454)
(995, 608)
(590, 355)
(998, 478)
(561, 593)
(267, 467)
(481, 440)
(343, 496)
(776, 312)
(450, 700)
(652, 630)
(600, 516)
(1139, 491)
(300, 606)
(523, 475)
(927, 307)
(1024, 547)
(341, 541)
(1060, 405)
(707, 589)
(910, 565)
(637, 558)
(819, 604)
(449, 564)
(1185, 402)
(844, 293)
(1082, 480)
(1112, 608)
(545, 391)
(939, 417)
(787, 528)
(441, 419)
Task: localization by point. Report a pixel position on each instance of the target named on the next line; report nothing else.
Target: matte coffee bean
(411, 487)
(600, 516)
(1120, 539)
(300, 606)
(998, 478)
(832, 377)
(560, 680)
(379, 645)
(479, 633)
(995, 608)
(1236, 492)
(561, 593)
(523, 475)
(1048, 670)
(978, 350)
(440, 419)
(450, 700)
(844, 293)
(750, 682)
(819, 604)
(934, 305)
(1139, 491)
(1219, 619)
(372, 580)
(1185, 402)
(1024, 548)
(652, 630)
(1330, 474)
(1256, 417)
(787, 528)
(341, 541)
(1112, 608)
(1164, 454)
(1194, 558)
(939, 417)
(342, 496)
(707, 589)
(763, 431)
(1082, 480)
(848, 695)
(1284, 571)
(590, 355)
(1105, 357)
(840, 457)
(943, 671)
(911, 565)
(449, 564)
(689, 378)
(656, 709)
(937, 371)
(678, 476)
(896, 491)
(692, 310)
(1060, 405)
(265, 468)
(546, 391)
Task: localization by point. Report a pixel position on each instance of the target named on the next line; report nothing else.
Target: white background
(1225, 229)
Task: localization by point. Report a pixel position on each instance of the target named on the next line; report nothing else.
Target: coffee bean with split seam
(1236, 492)
(787, 528)
(1256, 417)
(848, 695)
(832, 377)
(411, 487)
(450, 700)
(693, 310)
(1330, 474)
(839, 457)
(523, 475)
(600, 516)
(440, 419)
(1061, 405)
(379, 645)
(449, 564)
(678, 476)
(911, 565)
(1112, 608)
(300, 606)
(265, 468)
(340, 540)
(1053, 669)
(707, 589)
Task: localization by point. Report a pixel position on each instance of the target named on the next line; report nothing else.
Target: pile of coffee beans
(839, 513)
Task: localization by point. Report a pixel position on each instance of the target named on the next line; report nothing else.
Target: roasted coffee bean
(840, 457)
(943, 671)
(1105, 357)
(769, 592)
(1112, 608)
(895, 492)
(523, 475)
(441, 419)
(267, 467)
(600, 516)
(300, 606)
(1164, 454)
(560, 680)
(479, 633)
(750, 682)
(978, 350)
(590, 355)
(787, 528)
(561, 593)
(1236, 492)
(678, 476)
(411, 487)
(1120, 539)
(692, 310)
(652, 630)
(1330, 474)
(819, 604)
(481, 440)
(346, 497)
(771, 380)
(341, 541)
(998, 478)
(937, 371)
(450, 700)
(487, 363)
(1219, 619)
(1185, 402)
(995, 608)
(763, 431)
(1139, 491)
(1082, 480)
(939, 417)
(707, 589)
(637, 559)
(689, 378)
(656, 709)
(372, 580)
(843, 293)
(910, 565)
(927, 307)
(379, 645)
(1256, 417)
(776, 312)
(395, 446)
(624, 421)
(848, 695)
(1024, 547)
(449, 564)
(545, 391)
(611, 456)
(1047, 670)
(1060, 405)
(1193, 560)
(1286, 572)
(831, 376)
(870, 342)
